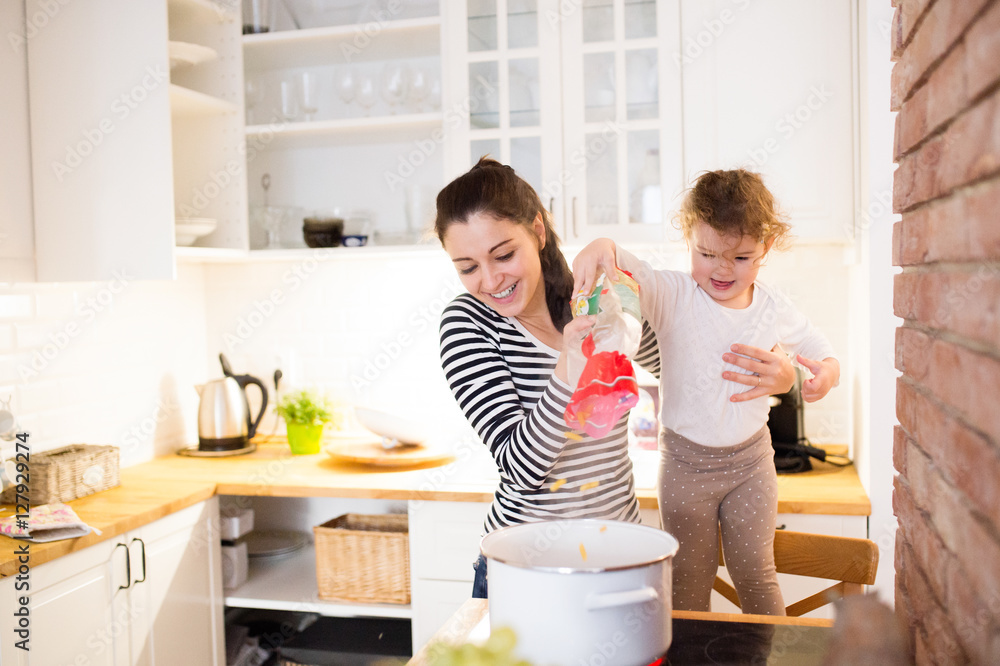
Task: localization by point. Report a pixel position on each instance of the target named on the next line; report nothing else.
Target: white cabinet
(17, 248)
(364, 149)
(769, 86)
(115, 143)
(150, 596)
(444, 544)
(581, 100)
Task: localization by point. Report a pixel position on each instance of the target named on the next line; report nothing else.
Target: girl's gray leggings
(701, 488)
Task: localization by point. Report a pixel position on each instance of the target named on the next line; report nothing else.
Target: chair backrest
(851, 562)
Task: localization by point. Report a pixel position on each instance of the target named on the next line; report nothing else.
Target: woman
(502, 352)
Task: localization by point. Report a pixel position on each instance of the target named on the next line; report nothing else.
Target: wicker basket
(65, 474)
(364, 559)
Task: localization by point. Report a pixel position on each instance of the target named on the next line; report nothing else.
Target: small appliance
(224, 422)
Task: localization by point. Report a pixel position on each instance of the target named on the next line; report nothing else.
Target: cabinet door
(79, 613)
(176, 593)
(502, 59)
(622, 151)
(17, 248)
(768, 86)
(99, 80)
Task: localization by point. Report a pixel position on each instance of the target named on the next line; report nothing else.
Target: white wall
(105, 363)
(876, 403)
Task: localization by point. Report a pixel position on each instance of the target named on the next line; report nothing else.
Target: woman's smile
(506, 293)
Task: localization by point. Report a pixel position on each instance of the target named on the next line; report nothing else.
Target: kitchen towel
(48, 522)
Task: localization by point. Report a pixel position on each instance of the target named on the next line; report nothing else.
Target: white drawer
(444, 539)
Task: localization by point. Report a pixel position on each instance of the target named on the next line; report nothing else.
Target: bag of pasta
(600, 369)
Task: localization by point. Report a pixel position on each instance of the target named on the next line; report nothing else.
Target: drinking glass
(253, 95)
(309, 93)
(420, 88)
(346, 84)
(289, 100)
(393, 85)
(272, 219)
(366, 92)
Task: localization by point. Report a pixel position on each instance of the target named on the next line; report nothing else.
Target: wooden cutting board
(369, 451)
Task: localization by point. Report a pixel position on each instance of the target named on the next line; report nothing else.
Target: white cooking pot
(582, 592)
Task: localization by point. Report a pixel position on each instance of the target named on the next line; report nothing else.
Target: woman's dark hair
(494, 189)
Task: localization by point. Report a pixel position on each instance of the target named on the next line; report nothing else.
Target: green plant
(305, 407)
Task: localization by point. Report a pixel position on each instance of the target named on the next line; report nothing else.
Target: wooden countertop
(456, 630)
(155, 489)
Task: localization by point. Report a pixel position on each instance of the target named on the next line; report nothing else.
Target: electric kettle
(224, 414)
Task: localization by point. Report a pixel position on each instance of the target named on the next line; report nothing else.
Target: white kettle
(224, 414)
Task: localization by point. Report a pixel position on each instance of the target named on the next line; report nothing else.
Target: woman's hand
(826, 375)
(573, 334)
(597, 256)
(773, 371)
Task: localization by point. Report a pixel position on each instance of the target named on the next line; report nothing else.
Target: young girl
(716, 460)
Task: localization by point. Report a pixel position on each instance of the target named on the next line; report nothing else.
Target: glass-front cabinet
(580, 98)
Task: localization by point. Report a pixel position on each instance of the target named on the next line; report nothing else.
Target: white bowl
(391, 428)
(188, 230)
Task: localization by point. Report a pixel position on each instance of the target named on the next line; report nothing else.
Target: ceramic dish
(392, 429)
(188, 230)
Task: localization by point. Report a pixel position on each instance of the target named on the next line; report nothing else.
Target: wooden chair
(852, 562)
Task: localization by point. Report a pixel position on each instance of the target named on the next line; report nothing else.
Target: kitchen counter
(155, 489)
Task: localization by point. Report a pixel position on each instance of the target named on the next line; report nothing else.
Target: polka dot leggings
(701, 488)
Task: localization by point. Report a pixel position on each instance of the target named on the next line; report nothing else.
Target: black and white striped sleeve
(648, 356)
(524, 442)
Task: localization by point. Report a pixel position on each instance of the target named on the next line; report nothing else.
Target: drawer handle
(128, 568)
(143, 544)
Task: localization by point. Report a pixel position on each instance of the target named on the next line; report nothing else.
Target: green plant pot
(304, 438)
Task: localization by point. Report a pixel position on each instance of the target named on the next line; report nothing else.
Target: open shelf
(206, 8)
(310, 47)
(373, 129)
(290, 584)
(187, 102)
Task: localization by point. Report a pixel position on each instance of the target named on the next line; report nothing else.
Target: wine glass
(346, 84)
(289, 100)
(253, 95)
(309, 93)
(420, 88)
(393, 85)
(365, 92)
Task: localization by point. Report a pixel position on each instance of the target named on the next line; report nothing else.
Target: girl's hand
(826, 375)
(773, 371)
(596, 256)
(573, 334)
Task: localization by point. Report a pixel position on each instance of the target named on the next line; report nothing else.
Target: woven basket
(65, 474)
(364, 559)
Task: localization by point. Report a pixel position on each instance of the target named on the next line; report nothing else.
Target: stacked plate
(268, 545)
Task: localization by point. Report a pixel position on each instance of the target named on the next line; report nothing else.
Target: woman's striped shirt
(502, 378)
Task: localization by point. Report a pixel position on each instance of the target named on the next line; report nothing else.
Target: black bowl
(323, 232)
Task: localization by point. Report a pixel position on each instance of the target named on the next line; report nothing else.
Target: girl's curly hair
(734, 203)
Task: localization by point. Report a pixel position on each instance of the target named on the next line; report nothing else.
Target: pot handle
(597, 601)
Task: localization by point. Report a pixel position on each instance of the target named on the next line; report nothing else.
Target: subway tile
(15, 306)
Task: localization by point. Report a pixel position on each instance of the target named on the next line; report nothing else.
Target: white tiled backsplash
(117, 362)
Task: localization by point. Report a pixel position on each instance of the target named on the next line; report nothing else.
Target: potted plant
(305, 411)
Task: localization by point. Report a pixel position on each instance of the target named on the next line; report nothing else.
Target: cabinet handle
(143, 544)
(574, 217)
(782, 526)
(128, 567)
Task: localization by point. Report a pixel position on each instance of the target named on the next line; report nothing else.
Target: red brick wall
(946, 88)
